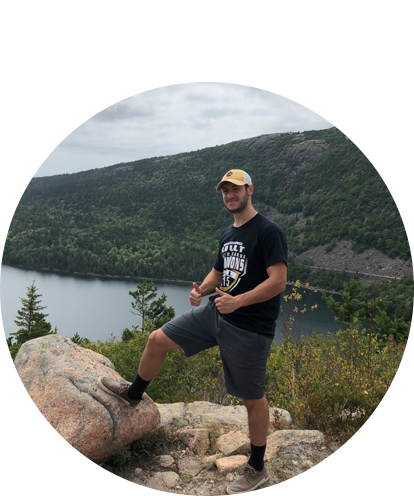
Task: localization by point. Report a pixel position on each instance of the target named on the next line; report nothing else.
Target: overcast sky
(175, 119)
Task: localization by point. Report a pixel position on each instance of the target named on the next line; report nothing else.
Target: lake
(98, 308)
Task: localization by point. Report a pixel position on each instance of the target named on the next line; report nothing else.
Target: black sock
(257, 457)
(137, 388)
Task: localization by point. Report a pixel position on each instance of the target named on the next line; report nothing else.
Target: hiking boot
(249, 480)
(118, 389)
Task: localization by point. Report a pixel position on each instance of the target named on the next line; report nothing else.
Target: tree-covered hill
(161, 217)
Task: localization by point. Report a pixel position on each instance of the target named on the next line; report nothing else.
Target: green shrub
(332, 383)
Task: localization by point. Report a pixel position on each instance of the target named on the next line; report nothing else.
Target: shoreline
(174, 281)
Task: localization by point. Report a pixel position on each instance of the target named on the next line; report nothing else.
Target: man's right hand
(195, 295)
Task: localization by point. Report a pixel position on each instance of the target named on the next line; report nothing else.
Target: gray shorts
(244, 353)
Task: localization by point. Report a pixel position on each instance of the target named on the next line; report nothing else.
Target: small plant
(162, 441)
(277, 422)
(80, 341)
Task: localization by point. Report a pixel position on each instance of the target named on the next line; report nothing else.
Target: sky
(175, 119)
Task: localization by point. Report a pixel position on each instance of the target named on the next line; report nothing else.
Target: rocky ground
(211, 444)
(201, 448)
(372, 265)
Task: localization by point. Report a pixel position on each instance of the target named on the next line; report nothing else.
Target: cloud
(175, 119)
(124, 110)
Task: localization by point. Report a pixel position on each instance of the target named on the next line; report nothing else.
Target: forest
(161, 217)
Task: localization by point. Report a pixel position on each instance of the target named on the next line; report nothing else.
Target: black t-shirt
(245, 253)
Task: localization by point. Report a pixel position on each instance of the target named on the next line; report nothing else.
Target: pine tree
(155, 312)
(145, 293)
(357, 310)
(158, 312)
(30, 319)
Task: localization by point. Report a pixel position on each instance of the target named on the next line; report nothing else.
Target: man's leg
(192, 331)
(258, 415)
(254, 474)
(154, 355)
(152, 359)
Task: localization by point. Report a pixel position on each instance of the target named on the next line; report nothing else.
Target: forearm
(263, 292)
(210, 283)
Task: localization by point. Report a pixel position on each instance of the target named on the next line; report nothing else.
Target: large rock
(233, 443)
(173, 414)
(231, 463)
(211, 415)
(285, 438)
(163, 460)
(196, 439)
(168, 479)
(61, 378)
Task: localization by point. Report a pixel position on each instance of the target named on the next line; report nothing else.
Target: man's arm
(274, 285)
(207, 287)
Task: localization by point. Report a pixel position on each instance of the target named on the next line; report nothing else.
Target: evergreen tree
(357, 310)
(145, 292)
(353, 307)
(156, 312)
(30, 319)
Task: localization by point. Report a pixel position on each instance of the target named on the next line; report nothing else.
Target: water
(98, 308)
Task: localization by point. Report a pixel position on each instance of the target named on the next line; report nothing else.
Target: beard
(243, 204)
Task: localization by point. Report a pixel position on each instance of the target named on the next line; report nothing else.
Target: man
(248, 276)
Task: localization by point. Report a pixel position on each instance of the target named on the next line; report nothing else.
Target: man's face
(235, 197)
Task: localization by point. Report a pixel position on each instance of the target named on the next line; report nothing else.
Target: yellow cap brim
(234, 181)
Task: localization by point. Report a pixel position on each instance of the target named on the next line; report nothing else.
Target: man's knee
(253, 404)
(158, 342)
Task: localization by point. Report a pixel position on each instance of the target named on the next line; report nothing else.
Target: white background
(62, 62)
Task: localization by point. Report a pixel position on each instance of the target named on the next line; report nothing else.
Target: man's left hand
(226, 303)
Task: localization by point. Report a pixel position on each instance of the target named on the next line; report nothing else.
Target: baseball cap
(235, 176)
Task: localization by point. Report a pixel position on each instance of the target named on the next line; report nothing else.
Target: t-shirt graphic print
(234, 265)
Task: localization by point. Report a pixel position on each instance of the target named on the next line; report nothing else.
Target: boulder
(196, 439)
(164, 460)
(282, 439)
(61, 378)
(233, 443)
(283, 416)
(231, 463)
(210, 461)
(173, 414)
(168, 479)
(189, 466)
(211, 415)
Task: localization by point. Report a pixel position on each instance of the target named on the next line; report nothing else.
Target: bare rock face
(61, 378)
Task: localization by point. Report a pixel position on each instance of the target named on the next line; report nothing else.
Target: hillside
(161, 217)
